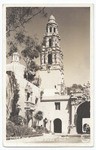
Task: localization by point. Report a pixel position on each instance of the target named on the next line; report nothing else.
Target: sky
(74, 31)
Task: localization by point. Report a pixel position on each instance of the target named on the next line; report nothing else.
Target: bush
(13, 130)
(40, 129)
(18, 120)
(9, 129)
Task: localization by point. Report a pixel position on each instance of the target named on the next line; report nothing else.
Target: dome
(51, 19)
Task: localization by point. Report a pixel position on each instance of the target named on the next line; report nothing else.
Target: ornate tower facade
(54, 100)
(51, 58)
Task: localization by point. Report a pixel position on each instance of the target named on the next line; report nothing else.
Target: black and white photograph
(48, 80)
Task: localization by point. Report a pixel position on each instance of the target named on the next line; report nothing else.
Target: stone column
(57, 58)
(46, 58)
(42, 58)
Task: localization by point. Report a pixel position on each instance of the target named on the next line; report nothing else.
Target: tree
(16, 19)
(19, 40)
(86, 91)
(74, 88)
(17, 120)
(38, 116)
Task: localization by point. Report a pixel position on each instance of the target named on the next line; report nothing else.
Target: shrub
(13, 130)
(9, 129)
(18, 120)
(40, 129)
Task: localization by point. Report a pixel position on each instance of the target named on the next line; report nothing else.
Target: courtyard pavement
(51, 138)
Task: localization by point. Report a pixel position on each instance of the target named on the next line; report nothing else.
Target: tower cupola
(51, 19)
(51, 55)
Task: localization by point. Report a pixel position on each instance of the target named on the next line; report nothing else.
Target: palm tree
(38, 116)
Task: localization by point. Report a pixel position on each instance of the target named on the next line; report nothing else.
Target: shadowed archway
(57, 126)
(83, 111)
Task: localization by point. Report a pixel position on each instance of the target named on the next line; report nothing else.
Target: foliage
(19, 40)
(17, 120)
(86, 91)
(17, 17)
(78, 94)
(13, 130)
(74, 88)
(36, 81)
(28, 115)
(38, 116)
(14, 87)
(9, 128)
(41, 129)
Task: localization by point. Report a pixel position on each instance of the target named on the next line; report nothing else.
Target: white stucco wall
(49, 80)
(18, 70)
(51, 114)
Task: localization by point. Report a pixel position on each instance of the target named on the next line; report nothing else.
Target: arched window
(46, 29)
(50, 42)
(50, 59)
(50, 29)
(54, 29)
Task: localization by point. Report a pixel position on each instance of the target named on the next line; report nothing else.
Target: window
(50, 29)
(54, 29)
(28, 95)
(50, 42)
(57, 105)
(50, 59)
(46, 29)
(36, 100)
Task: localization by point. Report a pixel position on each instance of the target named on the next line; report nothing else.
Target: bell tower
(53, 98)
(51, 57)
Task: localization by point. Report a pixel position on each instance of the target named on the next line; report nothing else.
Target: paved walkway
(48, 138)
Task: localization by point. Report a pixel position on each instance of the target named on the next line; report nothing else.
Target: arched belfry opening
(54, 30)
(57, 126)
(50, 58)
(83, 111)
(50, 42)
(50, 29)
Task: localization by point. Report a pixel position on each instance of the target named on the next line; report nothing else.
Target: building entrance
(83, 111)
(57, 126)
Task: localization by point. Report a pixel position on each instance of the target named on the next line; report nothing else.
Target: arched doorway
(57, 126)
(83, 111)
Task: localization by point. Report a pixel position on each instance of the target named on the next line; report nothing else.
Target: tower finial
(51, 19)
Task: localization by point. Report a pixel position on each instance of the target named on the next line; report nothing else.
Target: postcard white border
(91, 73)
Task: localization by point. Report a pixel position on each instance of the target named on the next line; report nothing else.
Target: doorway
(57, 126)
